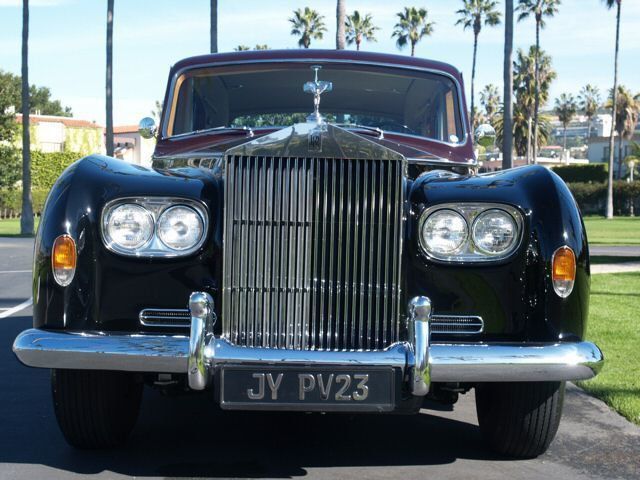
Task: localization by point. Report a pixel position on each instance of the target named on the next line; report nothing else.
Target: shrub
(593, 172)
(592, 197)
(11, 201)
(47, 167)
(10, 166)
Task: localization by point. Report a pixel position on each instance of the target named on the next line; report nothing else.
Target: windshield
(395, 100)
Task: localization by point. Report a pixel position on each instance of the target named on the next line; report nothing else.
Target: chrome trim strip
(461, 111)
(447, 321)
(169, 354)
(147, 314)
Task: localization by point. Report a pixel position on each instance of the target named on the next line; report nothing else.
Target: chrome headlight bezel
(155, 206)
(469, 252)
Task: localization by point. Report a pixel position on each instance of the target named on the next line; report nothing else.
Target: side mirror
(485, 135)
(147, 127)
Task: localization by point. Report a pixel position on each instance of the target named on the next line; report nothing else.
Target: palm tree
(213, 27)
(26, 217)
(490, 101)
(589, 100)
(521, 129)
(263, 46)
(309, 24)
(341, 18)
(525, 88)
(610, 4)
(507, 113)
(109, 79)
(472, 15)
(360, 28)
(241, 48)
(626, 119)
(539, 9)
(566, 108)
(412, 26)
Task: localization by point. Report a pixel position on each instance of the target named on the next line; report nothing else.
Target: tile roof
(66, 121)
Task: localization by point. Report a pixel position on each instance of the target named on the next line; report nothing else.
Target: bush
(592, 197)
(11, 201)
(47, 167)
(593, 172)
(10, 166)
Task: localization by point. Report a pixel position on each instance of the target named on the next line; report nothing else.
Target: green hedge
(592, 197)
(593, 172)
(47, 167)
(11, 201)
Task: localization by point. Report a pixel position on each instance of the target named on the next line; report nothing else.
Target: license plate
(295, 388)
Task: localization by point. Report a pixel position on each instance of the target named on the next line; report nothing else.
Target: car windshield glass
(394, 100)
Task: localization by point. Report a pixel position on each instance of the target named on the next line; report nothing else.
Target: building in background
(131, 147)
(59, 134)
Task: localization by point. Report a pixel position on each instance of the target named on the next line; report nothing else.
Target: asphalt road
(187, 436)
(615, 250)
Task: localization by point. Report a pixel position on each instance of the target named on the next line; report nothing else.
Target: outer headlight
(444, 232)
(128, 226)
(180, 228)
(494, 232)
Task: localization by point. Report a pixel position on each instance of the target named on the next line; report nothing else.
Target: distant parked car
(347, 260)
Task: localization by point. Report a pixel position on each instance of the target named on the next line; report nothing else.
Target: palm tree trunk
(473, 80)
(536, 104)
(564, 145)
(413, 49)
(340, 24)
(529, 125)
(620, 140)
(109, 86)
(609, 211)
(357, 45)
(507, 123)
(26, 217)
(213, 27)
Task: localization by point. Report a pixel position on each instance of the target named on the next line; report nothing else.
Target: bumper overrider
(202, 354)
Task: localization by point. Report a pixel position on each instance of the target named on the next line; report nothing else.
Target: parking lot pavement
(15, 272)
(615, 250)
(188, 436)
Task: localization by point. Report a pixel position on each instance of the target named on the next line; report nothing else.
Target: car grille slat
(312, 252)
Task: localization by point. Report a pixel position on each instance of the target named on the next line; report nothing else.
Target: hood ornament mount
(317, 88)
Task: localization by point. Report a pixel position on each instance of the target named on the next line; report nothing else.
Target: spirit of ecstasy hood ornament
(317, 88)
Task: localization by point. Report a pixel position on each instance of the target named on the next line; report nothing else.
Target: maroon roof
(311, 54)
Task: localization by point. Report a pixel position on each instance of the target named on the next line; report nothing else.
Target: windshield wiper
(246, 130)
(376, 130)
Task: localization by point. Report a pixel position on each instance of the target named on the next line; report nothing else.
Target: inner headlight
(129, 226)
(494, 231)
(180, 228)
(444, 232)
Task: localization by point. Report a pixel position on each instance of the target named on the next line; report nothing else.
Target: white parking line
(17, 308)
(15, 271)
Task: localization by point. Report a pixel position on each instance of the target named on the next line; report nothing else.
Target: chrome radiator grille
(312, 252)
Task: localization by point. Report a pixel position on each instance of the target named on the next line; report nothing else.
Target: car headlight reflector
(129, 226)
(494, 231)
(444, 232)
(180, 228)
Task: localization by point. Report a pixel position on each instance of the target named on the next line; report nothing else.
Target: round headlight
(444, 232)
(129, 226)
(494, 232)
(180, 228)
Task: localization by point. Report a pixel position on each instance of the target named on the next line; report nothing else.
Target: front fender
(514, 297)
(108, 290)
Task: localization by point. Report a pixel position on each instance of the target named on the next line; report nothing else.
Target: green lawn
(11, 227)
(614, 324)
(617, 231)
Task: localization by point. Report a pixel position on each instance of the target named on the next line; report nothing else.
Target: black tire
(519, 419)
(96, 409)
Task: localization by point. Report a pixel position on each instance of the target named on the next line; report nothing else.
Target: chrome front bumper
(200, 354)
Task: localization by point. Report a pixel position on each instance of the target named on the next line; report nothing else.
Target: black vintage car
(347, 260)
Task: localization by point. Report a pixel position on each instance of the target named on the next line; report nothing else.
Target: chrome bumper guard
(200, 354)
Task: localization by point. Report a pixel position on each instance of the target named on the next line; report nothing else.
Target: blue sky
(67, 51)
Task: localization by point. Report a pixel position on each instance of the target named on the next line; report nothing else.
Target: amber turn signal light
(563, 271)
(63, 259)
